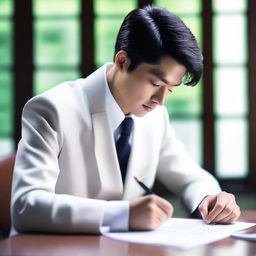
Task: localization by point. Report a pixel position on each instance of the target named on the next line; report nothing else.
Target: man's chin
(140, 113)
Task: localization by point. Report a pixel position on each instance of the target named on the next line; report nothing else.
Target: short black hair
(150, 33)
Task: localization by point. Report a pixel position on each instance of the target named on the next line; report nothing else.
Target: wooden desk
(88, 245)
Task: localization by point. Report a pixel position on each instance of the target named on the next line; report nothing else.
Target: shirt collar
(116, 115)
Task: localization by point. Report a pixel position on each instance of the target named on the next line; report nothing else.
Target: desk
(90, 245)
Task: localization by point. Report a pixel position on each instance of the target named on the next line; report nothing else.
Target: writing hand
(149, 212)
(219, 208)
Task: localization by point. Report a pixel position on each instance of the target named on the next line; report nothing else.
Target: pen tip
(137, 179)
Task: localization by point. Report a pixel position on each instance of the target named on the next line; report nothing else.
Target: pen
(146, 189)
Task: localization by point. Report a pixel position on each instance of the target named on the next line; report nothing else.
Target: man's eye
(155, 85)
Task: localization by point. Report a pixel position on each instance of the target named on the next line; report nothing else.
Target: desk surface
(62, 245)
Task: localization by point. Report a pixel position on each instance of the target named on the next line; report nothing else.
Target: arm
(35, 206)
(199, 189)
(179, 172)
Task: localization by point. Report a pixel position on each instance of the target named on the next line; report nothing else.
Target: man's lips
(148, 108)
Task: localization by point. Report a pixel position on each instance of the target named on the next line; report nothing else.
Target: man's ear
(122, 60)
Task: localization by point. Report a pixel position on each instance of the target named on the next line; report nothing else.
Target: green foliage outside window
(6, 83)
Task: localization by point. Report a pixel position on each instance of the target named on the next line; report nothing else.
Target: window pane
(229, 5)
(116, 7)
(56, 7)
(6, 146)
(230, 44)
(185, 100)
(5, 43)
(57, 42)
(190, 133)
(231, 148)
(6, 106)
(46, 79)
(230, 91)
(181, 6)
(105, 33)
(6, 7)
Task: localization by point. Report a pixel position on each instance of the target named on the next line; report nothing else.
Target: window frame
(23, 76)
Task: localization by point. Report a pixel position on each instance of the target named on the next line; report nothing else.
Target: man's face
(140, 91)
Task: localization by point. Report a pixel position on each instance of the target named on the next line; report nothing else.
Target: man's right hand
(149, 212)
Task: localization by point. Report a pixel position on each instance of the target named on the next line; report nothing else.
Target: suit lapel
(105, 152)
(135, 164)
(104, 146)
(143, 159)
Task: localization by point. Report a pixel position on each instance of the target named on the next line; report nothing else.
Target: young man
(71, 177)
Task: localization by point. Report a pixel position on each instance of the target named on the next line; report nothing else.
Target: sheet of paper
(181, 233)
(249, 237)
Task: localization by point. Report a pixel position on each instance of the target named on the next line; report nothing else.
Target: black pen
(147, 190)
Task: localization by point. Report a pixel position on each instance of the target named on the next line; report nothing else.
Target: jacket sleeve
(180, 173)
(35, 206)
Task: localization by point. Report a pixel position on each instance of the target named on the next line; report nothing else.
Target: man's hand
(220, 208)
(149, 212)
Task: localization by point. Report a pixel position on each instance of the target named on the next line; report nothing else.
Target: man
(71, 177)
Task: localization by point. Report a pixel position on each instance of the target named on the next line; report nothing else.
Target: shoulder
(63, 92)
(54, 106)
(73, 94)
(63, 96)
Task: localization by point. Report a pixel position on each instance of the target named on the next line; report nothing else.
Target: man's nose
(160, 96)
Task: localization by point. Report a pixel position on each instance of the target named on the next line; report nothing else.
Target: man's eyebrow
(161, 77)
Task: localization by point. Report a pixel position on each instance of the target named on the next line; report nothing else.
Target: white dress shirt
(116, 215)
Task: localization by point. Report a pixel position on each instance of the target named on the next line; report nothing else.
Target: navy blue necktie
(123, 147)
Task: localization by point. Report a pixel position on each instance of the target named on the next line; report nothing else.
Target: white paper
(249, 236)
(181, 233)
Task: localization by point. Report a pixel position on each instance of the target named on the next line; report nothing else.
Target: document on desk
(181, 233)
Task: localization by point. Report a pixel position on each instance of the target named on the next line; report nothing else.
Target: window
(6, 74)
(215, 119)
(108, 18)
(230, 88)
(56, 42)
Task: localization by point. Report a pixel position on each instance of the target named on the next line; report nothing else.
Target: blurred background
(45, 42)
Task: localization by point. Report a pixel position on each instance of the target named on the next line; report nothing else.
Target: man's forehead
(159, 74)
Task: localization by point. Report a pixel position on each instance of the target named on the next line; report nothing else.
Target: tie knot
(126, 126)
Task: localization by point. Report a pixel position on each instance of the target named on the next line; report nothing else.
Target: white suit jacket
(67, 170)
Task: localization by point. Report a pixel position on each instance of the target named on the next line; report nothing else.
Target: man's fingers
(220, 208)
(165, 206)
(225, 213)
(161, 210)
(149, 212)
(161, 216)
(228, 215)
(203, 207)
